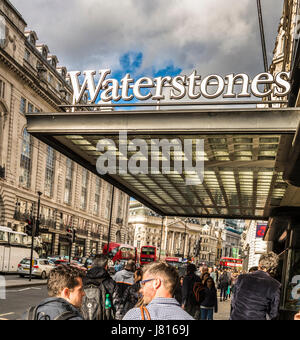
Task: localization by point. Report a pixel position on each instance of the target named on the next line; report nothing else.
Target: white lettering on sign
(296, 290)
(210, 87)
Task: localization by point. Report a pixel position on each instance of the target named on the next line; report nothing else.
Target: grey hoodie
(50, 308)
(124, 276)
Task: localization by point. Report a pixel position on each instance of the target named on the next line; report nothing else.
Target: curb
(25, 285)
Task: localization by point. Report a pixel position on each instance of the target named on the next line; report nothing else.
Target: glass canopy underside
(242, 173)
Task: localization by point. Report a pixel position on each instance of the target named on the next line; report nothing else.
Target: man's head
(191, 269)
(66, 282)
(130, 266)
(100, 260)
(159, 280)
(269, 262)
(204, 269)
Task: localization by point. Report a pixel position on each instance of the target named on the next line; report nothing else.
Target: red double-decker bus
(118, 251)
(230, 262)
(147, 255)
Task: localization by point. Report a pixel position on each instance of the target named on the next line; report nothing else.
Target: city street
(20, 299)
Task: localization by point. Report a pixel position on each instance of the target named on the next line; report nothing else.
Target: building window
(25, 163)
(120, 206)
(84, 186)
(23, 105)
(30, 107)
(27, 56)
(108, 201)
(97, 196)
(69, 180)
(2, 89)
(49, 180)
(50, 78)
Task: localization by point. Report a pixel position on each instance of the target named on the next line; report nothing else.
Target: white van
(14, 247)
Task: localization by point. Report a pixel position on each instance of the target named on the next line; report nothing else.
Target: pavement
(14, 281)
(223, 310)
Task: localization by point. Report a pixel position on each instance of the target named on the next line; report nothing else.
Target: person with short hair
(65, 290)
(189, 302)
(257, 294)
(158, 286)
(99, 277)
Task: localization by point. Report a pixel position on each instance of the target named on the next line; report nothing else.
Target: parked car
(41, 268)
(59, 262)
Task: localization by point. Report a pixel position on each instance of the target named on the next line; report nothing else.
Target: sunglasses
(142, 283)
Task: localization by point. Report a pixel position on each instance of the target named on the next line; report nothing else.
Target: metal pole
(262, 35)
(161, 234)
(110, 218)
(184, 239)
(263, 43)
(34, 225)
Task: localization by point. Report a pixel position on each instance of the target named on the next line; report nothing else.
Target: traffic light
(29, 226)
(69, 234)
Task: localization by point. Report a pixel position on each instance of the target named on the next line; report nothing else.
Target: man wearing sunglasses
(157, 287)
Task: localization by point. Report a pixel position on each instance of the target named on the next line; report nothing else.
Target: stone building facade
(174, 236)
(32, 81)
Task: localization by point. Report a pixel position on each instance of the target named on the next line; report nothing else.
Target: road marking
(22, 290)
(7, 314)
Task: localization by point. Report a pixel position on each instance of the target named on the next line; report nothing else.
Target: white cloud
(213, 36)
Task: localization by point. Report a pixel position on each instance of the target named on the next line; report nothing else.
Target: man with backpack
(65, 289)
(192, 292)
(101, 295)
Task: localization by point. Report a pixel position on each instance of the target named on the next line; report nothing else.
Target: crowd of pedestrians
(156, 292)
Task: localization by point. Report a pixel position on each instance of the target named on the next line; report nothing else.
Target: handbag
(143, 311)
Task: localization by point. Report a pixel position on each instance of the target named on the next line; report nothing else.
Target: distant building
(253, 244)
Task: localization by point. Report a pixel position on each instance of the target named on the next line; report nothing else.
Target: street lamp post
(35, 227)
(110, 218)
(161, 234)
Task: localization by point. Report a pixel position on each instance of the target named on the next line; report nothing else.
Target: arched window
(25, 162)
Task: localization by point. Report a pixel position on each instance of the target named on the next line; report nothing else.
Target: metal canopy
(245, 156)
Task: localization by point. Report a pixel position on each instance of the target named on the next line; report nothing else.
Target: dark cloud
(212, 36)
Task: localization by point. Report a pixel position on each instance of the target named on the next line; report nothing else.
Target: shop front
(64, 246)
(47, 244)
(80, 247)
(94, 247)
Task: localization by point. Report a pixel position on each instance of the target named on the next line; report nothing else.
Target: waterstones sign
(194, 86)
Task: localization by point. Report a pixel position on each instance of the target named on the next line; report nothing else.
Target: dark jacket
(99, 275)
(256, 296)
(224, 281)
(51, 308)
(127, 298)
(210, 298)
(187, 289)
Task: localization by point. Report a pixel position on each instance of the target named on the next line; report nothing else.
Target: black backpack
(197, 292)
(93, 303)
(32, 314)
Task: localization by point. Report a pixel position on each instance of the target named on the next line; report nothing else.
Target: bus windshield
(148, 251)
